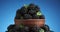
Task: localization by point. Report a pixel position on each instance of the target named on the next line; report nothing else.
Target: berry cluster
(22, 28)
(29, 12)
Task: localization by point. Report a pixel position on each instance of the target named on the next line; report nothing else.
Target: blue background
(50, 8)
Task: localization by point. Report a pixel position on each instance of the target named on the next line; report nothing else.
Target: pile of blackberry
(22, 28)
(29, 12)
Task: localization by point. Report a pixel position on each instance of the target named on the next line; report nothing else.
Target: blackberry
(26, 28)
(10, 27)
(12, 30)
(32, 9)
(34, 29)
(27, 16)
(37, 8)
(41, 17)
(31, 6)
(46, 28)
(32, 12)
(18, 16)
(23, 10)
(35, 16)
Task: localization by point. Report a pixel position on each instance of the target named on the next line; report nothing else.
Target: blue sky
(50, 8)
